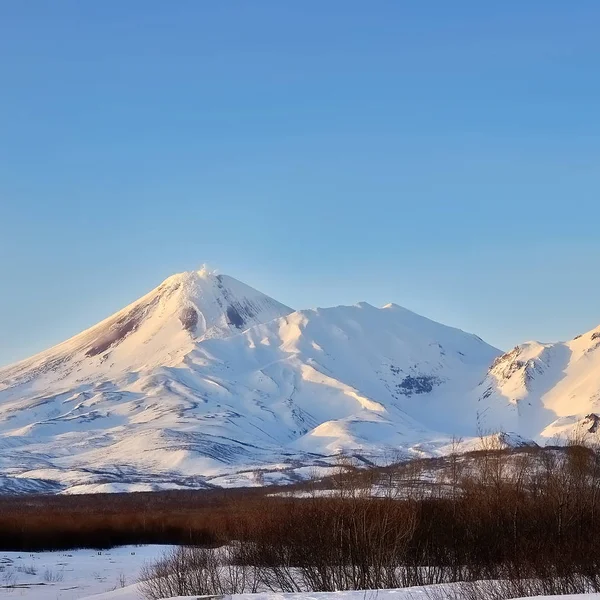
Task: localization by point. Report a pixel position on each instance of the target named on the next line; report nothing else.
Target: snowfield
(113, 574)
(411, 593)
(74, 574)
(207, 382)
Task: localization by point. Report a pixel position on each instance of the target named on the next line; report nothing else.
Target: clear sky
(440, 155)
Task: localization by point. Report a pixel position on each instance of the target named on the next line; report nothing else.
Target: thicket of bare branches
(187, 571)
(528, 520)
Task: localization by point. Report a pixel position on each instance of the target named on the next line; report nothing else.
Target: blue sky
(440, 155)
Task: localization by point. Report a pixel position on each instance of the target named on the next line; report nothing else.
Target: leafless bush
(188, 571)
(9, 577)
(51, 576)
(504, 589)
(27, 569)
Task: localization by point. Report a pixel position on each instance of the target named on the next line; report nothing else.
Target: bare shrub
(51, 576)
(27, 569)
(9, 577)
(188, 570)
(504, 589)
(335, 543)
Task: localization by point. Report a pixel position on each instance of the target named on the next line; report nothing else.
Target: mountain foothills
(207, 382)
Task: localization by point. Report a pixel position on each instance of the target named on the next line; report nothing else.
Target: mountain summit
(156, 330)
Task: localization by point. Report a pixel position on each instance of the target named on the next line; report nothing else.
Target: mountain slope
(156, 330)
(387, 365)
(544, 391)
(204, 380)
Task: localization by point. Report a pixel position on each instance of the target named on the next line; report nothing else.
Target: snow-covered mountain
(544, 391)
(205, 381)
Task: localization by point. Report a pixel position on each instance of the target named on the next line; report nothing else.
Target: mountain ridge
(559, 381)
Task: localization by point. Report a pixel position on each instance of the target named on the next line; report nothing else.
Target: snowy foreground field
(112, 575)
(413, 593)
(74, 574)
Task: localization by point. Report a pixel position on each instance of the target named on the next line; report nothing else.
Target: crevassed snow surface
(204, 381)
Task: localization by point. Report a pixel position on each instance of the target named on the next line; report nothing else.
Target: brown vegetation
(528, 519)
(524, 516)
(107, 520)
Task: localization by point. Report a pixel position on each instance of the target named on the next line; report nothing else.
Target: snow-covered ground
(412, 593)
(113, 574)
(74, 574)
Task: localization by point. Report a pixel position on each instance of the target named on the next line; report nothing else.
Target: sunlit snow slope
(545, 391)
(205, 380)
